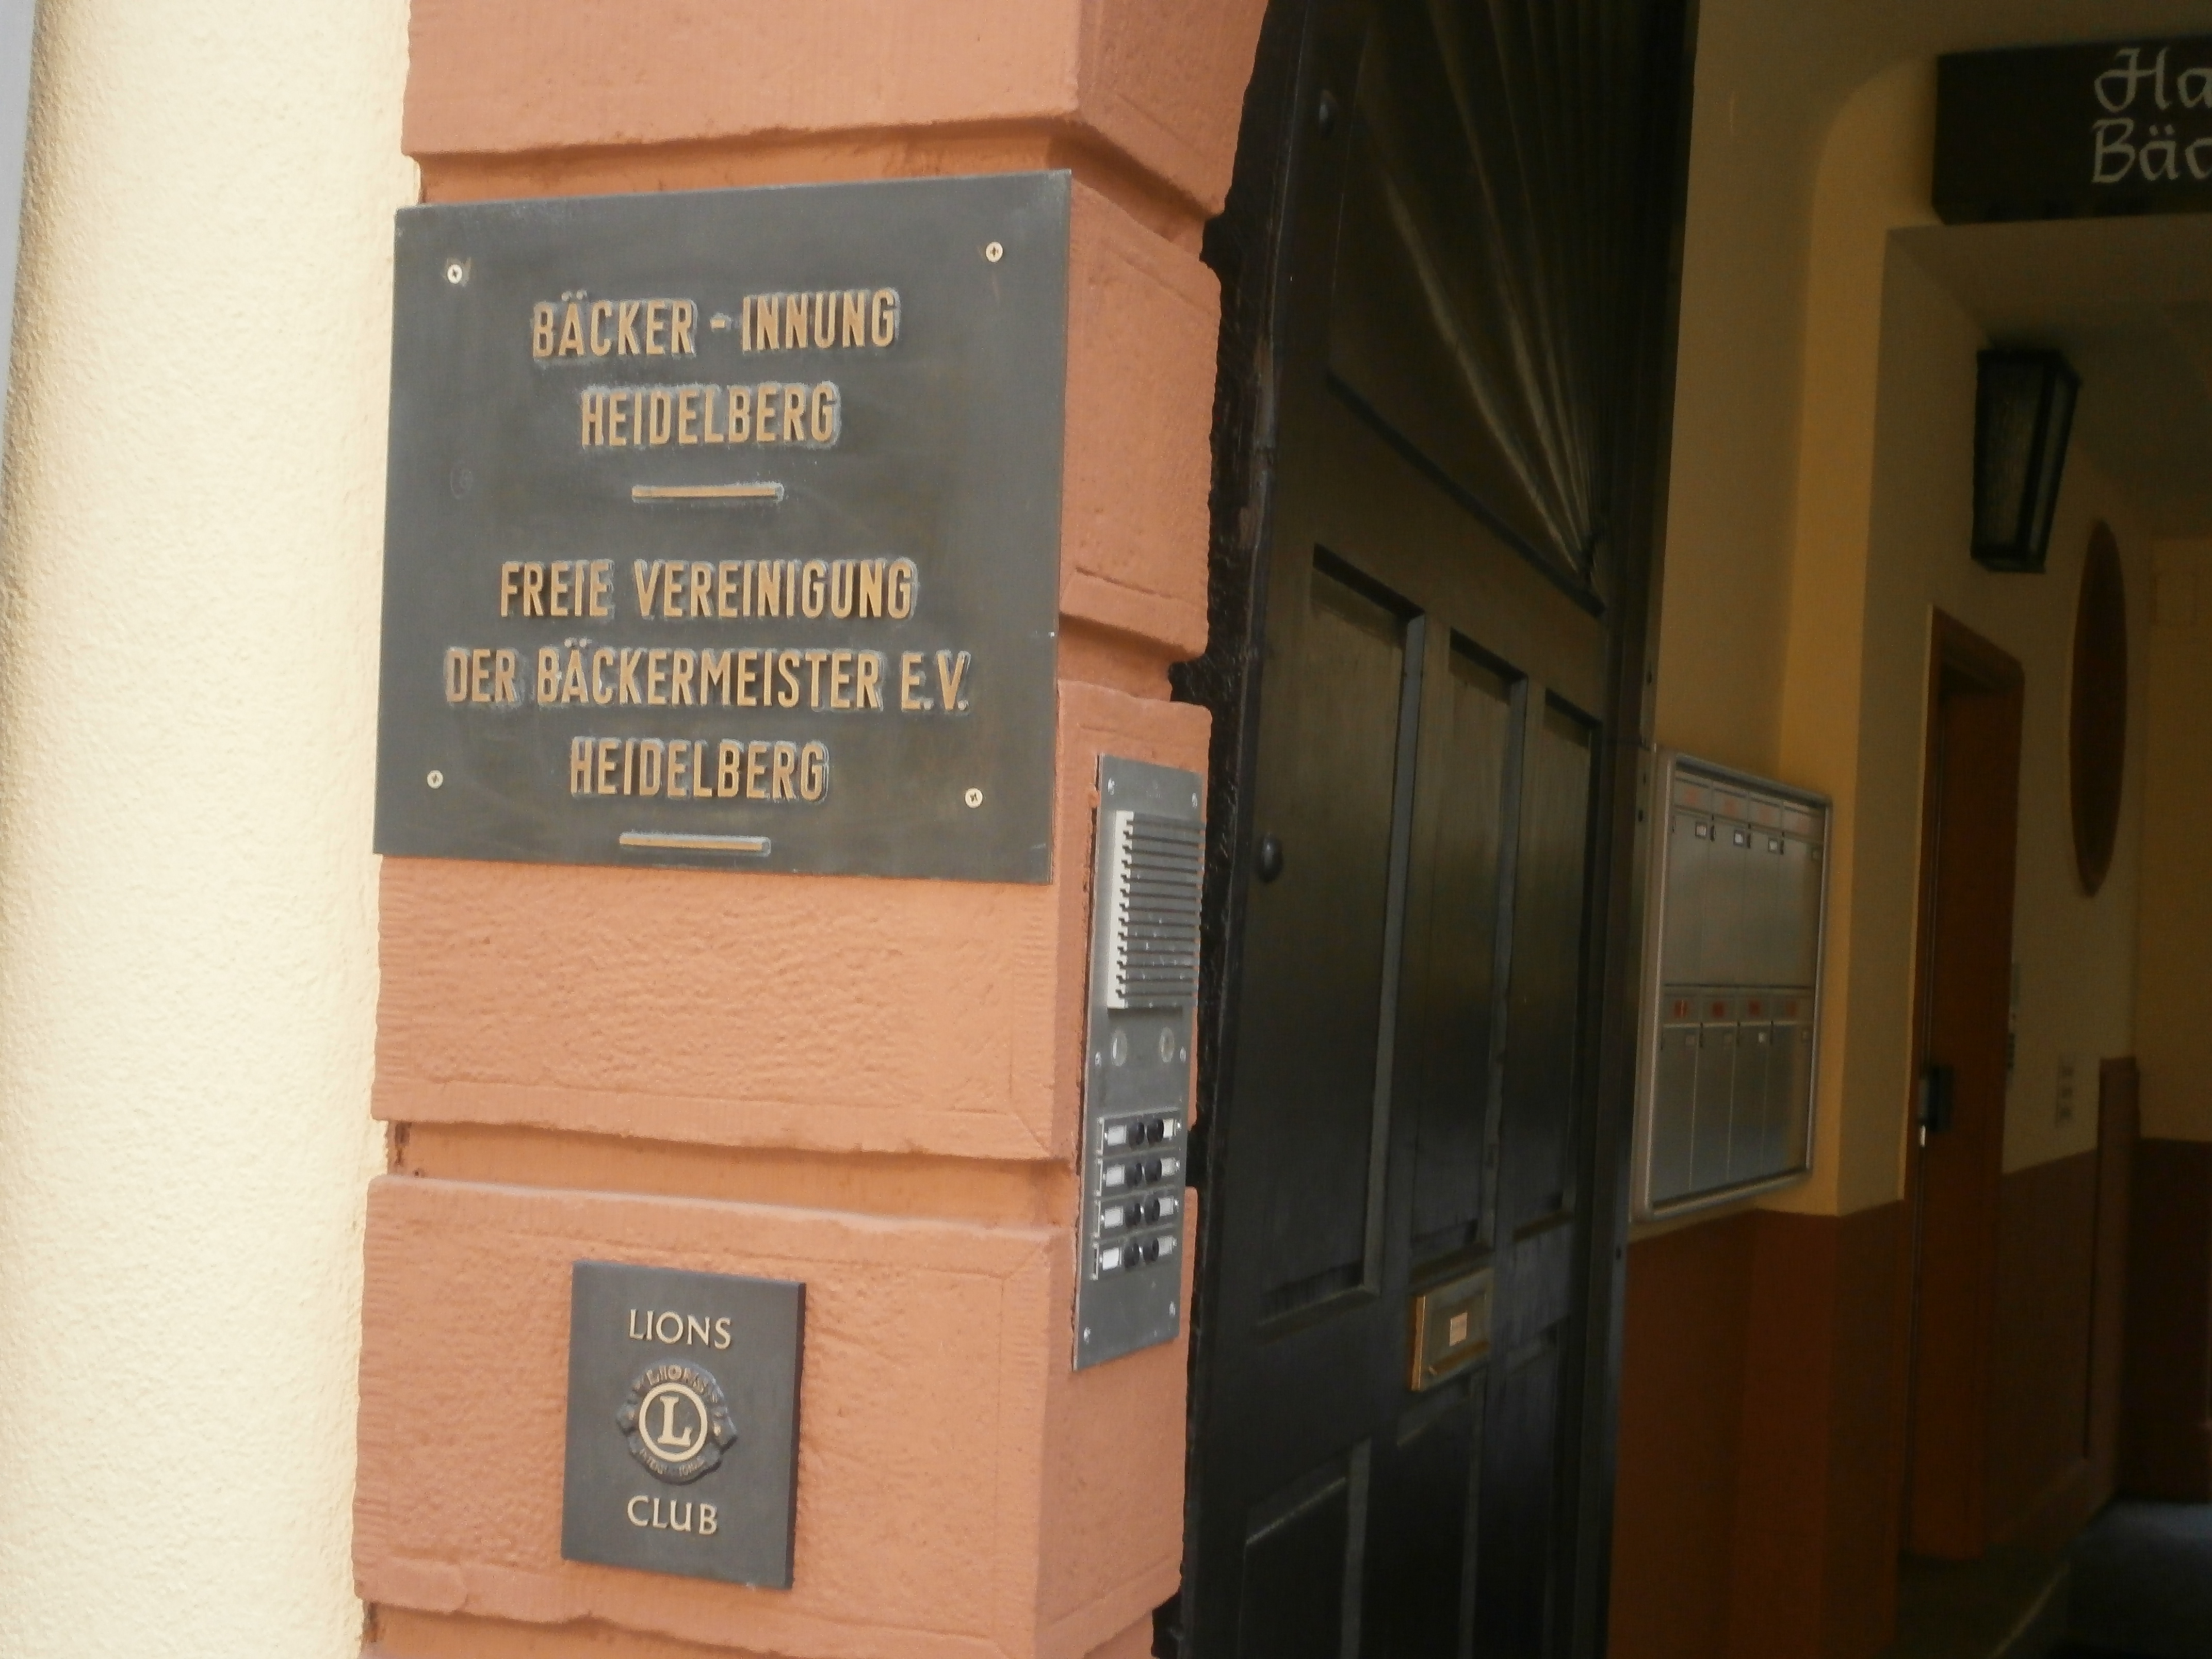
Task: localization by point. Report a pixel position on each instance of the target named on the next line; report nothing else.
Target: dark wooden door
(1969, 817)
(1451, 312)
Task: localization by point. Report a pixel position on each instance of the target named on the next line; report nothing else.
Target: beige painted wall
(1804, 652)
(194, 503)
(2173, 1012)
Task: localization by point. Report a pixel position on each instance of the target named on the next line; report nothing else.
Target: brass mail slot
(1451, 1328)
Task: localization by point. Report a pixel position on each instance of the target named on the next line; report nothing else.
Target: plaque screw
(457, 272)
(974, 798)
(1171, 1308)
(994, 251)
(436, 780)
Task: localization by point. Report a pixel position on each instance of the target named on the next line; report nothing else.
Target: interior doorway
(1445, 368)
(1970, 806)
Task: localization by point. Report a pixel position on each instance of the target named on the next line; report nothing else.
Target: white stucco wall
(188, 621)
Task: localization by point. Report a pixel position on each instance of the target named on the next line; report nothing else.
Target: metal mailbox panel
(1732, 954)
(587, 518)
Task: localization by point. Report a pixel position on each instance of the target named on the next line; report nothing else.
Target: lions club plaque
(682, 1422)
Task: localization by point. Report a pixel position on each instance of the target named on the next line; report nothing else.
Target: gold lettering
(868, 691)
(630, 1509)
(794, 413)
(663, 411)
(594, 405)
(510, 582)
(766, 402)
(722, 1333)
(729, 777)
(601, 311)
(884, 316)
(679, 329)
(629, 773)
(748, 671)
(813, 771)
(706, 1517)
(813, 588)
(603, 662)
(533, 590)
(769, 586)
(899, 589)
(872, 588)
(648, 578)
(502, 677)
(679, 675)
(840, 679)
(573, 688)
(629, 661)
(556, 588)
(702, 589)
(910, 681)
(710, 406)
(617, 413)
(814, 661)
(580, 766)
(825, 320)
(610, 751)
(480, 674)
(786, 763)
(626, 329)
(656, 674)
(679, 770)
(714, 671)
(841, 589)
(855, 310)
(794, 322)
(687, 416)
(787, 670)
(603, 588)
(951, 671)
(652, 755)
(695, 1329)
(768, 323)
(823, 420)
(672, 591)
(572, 332)
(656, 324)
(756, 771)
(541, 330)
(549, 673)
(740, 416)
(725, 587)
(457, 676)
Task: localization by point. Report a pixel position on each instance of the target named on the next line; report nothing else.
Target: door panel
(1320, 1085)
(1423, 722)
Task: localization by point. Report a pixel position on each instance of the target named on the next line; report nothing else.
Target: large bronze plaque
(723, 529)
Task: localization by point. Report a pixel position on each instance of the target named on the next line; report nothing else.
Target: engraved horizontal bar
(659, 840)
(729, 492)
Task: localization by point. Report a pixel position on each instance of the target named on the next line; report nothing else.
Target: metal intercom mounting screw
(1111, 785)
(1325, 114)
(1268, 859)
(994, 251)
(1087, 1332)
(974, 798)
(456, 271)
(436, 780)
(1171, 1308)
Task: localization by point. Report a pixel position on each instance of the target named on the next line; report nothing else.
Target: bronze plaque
(683, 1454)
(723, 529)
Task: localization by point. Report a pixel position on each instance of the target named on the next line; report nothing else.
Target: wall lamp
(2023, 410)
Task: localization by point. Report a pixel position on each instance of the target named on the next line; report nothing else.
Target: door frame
(1244, 245)
(1957, 654)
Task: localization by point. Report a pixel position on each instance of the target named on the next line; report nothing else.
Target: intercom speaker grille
(1156, 871)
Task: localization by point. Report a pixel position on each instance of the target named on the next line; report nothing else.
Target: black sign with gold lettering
(723, 529)
(683, 1454)
(2062, 132)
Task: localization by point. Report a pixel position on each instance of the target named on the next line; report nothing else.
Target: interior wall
(2173, 1037)
(188, 626)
